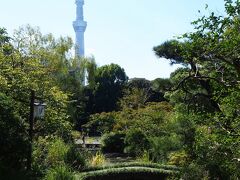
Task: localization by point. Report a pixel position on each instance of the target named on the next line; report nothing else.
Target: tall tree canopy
(206, 91)
(30, 61)
(110, 80)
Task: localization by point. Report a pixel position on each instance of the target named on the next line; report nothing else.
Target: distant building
(79, 26)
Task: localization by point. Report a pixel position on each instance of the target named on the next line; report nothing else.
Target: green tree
(161, 85)
(27, 66)
(110, 80)
(38, 64)
(13, 139)
(138, 92)
(203, 90)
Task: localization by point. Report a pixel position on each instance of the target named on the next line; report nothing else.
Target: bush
(179, 158)
(60, 173)
(145, 157)
(75, 159)
(194, 171)
(51, 153)
(48, 152)
(113, 142)
(57, 152)
(160, 147)
(136, 142)
(13, 137)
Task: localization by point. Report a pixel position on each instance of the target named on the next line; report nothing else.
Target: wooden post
(31, 119)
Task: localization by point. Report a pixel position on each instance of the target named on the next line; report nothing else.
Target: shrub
(13, 137)
(48, 152)
(178, 158)
(145, 157)
(194, 171)
(136, 142)
(75, 159)
(113, 142)
(160, 147)
(60, 173)
(56, 152)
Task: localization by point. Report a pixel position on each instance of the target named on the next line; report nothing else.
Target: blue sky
(119, 31)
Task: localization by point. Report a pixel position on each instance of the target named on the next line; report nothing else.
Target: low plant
(54, 152)
(60, 173)
(144, 157)
(76, 134)
(179, 158)
(48, 152)
(57, 152)
(98, 159)
(161, 147)
(195, 171)
(75, 159)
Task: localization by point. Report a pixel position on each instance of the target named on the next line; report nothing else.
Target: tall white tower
(79, 26)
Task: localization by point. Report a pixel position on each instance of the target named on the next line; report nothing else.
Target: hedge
(127, 173)
(133, 164)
